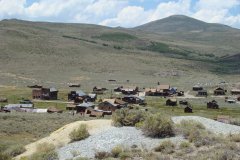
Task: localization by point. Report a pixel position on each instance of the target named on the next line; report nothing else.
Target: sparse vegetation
(235, 137)
(158, 125)
(127, 117)
(80, 133)
(102, 155)
(45, 151)
(81, 39)
(117, 37)
(184, 145)
(166, 147)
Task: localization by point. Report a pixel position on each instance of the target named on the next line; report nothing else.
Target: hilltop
(58, 53)
(181, 23)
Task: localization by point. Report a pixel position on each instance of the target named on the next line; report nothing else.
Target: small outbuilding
(171, 102)
(133, 99)
(202, 93)
(219, 91)
(54, 110)
(188, 109)
(235, 91)
(183, 102)
(81, 108)
(197, 88)
(213, 105)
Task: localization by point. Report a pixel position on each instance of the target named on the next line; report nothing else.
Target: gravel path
(108, 139)
(211, 125)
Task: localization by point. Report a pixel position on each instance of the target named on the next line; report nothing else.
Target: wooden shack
(183, 102)
(129, 90)
(133, 99)
(188, 109)
(202, 93)
(219, 91)
(171, 102)
(54, 110)
(112, 105)
(235, 91)
(45, 93)
(99, 90)
(162, 90)
(150, 91)
(81, 108)
(197, 88)
(3, 100)
(213, 105)
(97, 113)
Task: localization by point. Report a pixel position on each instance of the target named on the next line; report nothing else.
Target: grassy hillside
(54, 54)
(181, 23)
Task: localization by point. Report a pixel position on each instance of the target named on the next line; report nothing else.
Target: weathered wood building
(45, 93)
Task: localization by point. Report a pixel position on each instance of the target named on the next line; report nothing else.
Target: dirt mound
(60, 137)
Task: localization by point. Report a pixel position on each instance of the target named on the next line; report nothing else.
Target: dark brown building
(171, 102)
(99, 90)
(219, 91)
(235, 91)
(213, 105)
(197, 88)
(188, 109)
(202, 93)
(45, 93)
(111, 104)
(132, 99)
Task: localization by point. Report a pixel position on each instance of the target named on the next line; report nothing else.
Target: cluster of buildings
(83, 103)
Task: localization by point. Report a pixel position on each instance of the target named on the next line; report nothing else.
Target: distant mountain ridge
(145, 51)
(181, 23)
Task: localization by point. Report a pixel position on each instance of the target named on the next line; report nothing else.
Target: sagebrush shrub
(157, 125)
(165, 147)
(45, 151)
(80, 133)
(127, 117)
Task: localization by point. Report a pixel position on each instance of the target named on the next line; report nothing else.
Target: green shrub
(102, 155)
(235, 137)
(116, 151)
(15, 150)
(127, 117)
(186, 127)
(157, 125)
(124, 155)
(4, 156)
(235, 121)
(184, 145)
(165, 147)
(80, 133)
(196, 133)
(45, 151)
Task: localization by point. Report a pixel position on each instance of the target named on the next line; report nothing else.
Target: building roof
(202, 91)
(219, 89)
(150, 90)
(172, 100)
(12, 106)
(197, 86)
(235, 90)
(163, 86)
(119, 101)
(86, 104)
(39, 110)
(137, 97)
(52, 89)
(91, 95)
(80, 93)
(53, 109)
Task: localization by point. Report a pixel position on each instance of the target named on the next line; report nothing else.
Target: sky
(124, 13)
